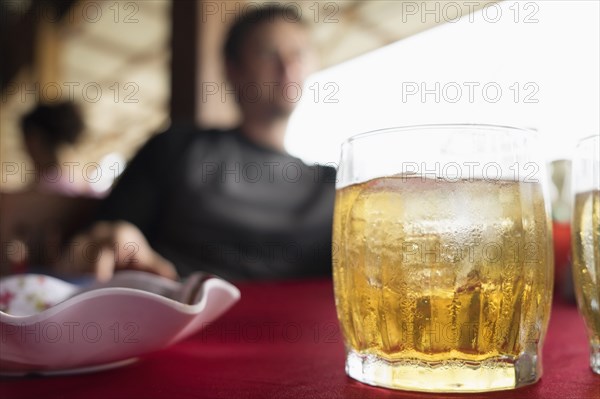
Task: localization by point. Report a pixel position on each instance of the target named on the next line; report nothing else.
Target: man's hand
(110, 246)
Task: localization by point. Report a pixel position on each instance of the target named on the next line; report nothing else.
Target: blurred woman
(46, 129)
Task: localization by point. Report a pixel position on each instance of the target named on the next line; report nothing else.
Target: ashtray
(49, 326)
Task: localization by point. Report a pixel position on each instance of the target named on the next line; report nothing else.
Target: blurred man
(233, 202)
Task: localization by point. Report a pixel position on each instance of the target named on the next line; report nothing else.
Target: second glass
(586, 240)
(442, 258)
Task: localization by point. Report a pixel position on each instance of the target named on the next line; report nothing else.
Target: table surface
(282, 340)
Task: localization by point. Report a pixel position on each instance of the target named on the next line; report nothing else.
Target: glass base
(595, 358)
(493, 374)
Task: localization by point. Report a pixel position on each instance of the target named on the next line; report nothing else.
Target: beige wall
(123, 48)
(119, 47)
(341, 30)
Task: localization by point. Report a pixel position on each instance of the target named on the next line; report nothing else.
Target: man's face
(275, 59)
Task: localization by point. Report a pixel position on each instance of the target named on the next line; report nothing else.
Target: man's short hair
(246, 22)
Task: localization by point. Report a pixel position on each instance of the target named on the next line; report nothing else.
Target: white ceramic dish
(47, 326)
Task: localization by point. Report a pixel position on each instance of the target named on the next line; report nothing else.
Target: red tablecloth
(282, 340)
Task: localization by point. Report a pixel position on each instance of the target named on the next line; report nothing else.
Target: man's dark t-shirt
(217, 202)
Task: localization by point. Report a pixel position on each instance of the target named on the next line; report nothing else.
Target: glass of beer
(442, 257)
(586, 240)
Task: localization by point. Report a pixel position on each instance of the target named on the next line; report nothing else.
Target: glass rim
(590, 137)
(432, 126)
